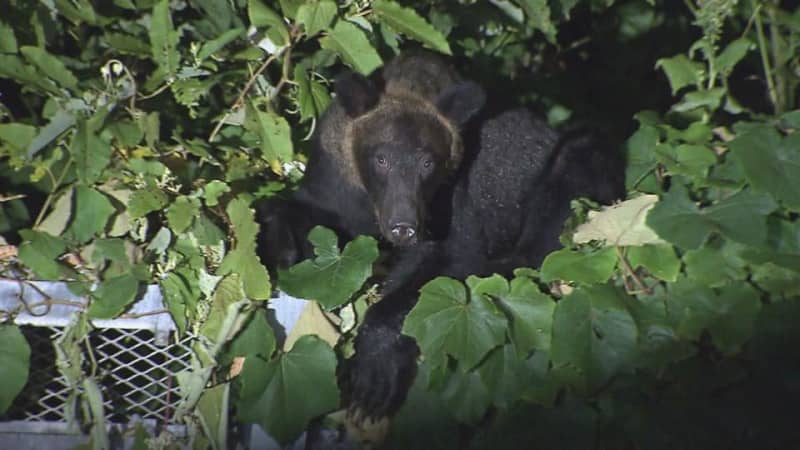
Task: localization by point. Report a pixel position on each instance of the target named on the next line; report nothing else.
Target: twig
(240, 99)
(632, 273)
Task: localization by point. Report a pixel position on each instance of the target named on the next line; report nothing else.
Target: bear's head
(403, 147)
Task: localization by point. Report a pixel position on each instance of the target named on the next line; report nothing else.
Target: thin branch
(762, 46)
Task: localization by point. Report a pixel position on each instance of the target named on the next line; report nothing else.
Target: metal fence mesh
(137, 376)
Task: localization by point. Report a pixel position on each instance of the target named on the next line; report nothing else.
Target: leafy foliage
(134, 136)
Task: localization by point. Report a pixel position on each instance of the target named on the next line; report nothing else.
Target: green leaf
(685, 159)
(8, 42)
(640, 149)
(728, 217)
(93, 212)
(733, 53)
(714, 267)
(729, 315)
(677, 219)
(112, 250)
(331, 278)
(145, 201)
(681, 72)
(316, 16)
(40, 251)
(113, 296)
(352, 46)
(408, 22)
(770, 163)
(538, 13)
(509, 377)
(179, 295)
(228, 292)
(61, 121)
(261, 16)
(274, 133)
(709, 99)
(312, 97)
(446, 321)
(17, 136)
(243, 259)
(213, 191)
(660, 260)
(164, 39)
(255, 339)
(11, 66)
(594, 336)
(214, 45)
(128, 44)
(181, 213)
(569, 265)
(90, 153)
(275, 394)
(529, 312)
(15, 359)
(51, 66)
(466, 396)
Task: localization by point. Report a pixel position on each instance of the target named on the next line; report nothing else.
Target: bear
(407, 155)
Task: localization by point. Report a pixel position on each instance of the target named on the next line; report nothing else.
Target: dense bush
(135, 134)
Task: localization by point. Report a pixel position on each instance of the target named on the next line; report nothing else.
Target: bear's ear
(461, 101)
(356, 93)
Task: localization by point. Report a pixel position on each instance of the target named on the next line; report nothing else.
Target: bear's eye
(381, 160)
(427, 163)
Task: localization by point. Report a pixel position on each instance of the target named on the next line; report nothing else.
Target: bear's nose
(403, 233)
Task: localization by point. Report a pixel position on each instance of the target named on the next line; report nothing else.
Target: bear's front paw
(375, 381)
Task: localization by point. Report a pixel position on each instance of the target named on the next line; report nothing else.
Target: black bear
(405, 155)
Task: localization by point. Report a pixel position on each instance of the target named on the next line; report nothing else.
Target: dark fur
(498, 205)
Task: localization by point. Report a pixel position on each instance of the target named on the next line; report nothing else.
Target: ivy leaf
(529, 311)
(255, 339)
(40, 251)
(569, 265)
(274, 133)
(15, 359)
(352, 46)
(448, 321)
(164, 39)
(182, 212)
(466, 396)
(213, 191)
(180, 294)
(594, 336)
(713, 266)
(507, 375)
(681, 72)
(312, 97)
(751, 228)
(770, 163)
(677, 219)
(113, 296)
(275, 394)
(622, 224)
(316, 16)
(145, 201)
(331, 278)
(407, 21)
(660, 260)
(729, 315)
(94, 210)
(51, 66)
(243, 259)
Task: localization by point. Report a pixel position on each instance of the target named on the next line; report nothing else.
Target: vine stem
(287, 55)
(762, 46)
